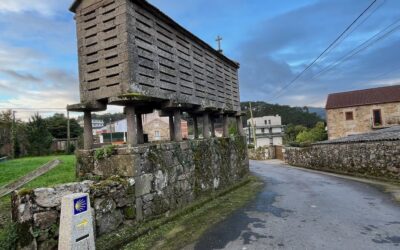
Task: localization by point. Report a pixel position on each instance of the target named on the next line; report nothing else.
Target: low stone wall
(262, 153)
(152, 180)
(375, 158)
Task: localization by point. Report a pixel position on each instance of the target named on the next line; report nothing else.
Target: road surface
(298, 209)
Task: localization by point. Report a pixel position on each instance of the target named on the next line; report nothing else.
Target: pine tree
(38, 136)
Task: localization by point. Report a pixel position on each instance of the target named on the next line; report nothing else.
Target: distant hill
(319, 111)
(290, 115)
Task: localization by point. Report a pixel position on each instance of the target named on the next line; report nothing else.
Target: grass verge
(63, 173)
(185, 226)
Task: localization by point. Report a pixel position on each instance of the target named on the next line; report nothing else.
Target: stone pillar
(171, 127)
(239, 125)
(177, 126)
(196, 127)
(140, 136)
(206, 126)
(88, 131)
(212, 122)
(225, 125)
(132, 125)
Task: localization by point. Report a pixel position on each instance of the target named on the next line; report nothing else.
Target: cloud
(279, 48)
(44, 7)
(20, 75)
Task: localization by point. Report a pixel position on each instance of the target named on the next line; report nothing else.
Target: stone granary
(132, 54)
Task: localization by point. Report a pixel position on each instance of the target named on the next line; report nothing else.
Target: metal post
(88, 131)
(111, 132)
(68, 133)
(131, 124)
(253, 126)
(13, 135)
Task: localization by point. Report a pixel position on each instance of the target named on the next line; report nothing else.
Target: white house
(268, 131)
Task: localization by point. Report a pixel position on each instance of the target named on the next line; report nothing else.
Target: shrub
(8, 237)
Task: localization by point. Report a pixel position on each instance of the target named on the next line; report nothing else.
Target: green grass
(15, 169)
(63, 173)
(185, 226)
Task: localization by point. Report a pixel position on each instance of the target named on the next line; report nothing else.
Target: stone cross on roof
(219, 39)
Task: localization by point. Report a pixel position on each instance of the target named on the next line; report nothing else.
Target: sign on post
(76, 224)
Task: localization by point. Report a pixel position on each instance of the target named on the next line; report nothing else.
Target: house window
(377, 117)
(262, 130)
(265, 122)
(157, 135)
(269, 121)
(349, 116)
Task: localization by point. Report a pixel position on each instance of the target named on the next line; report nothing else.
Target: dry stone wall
(152, 180)
(374, 159)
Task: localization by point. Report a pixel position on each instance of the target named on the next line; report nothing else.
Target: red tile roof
(364, 97)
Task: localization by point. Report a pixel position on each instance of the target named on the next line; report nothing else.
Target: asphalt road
(298, 209)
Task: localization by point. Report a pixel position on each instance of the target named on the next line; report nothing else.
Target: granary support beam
(171, 127)
(196, 126)
(212, 125)
(139, 122)
(132, 138)
(225, 125)
(88, 131)
(177, 125)
(239, 125)
(206, 126)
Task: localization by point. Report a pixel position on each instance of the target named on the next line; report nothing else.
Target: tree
(38, 136)
(318, 133)
(291, 132)
(290, 115)
(58, 125)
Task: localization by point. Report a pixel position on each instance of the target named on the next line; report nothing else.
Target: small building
(362, 111)
(268, 129)
(155, 128)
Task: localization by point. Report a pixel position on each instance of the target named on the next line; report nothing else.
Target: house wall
(338, 126)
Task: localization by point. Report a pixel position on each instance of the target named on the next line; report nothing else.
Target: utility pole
(111, 132)
(13, 135)
(68, 133)
(253, 126)
(218, 40)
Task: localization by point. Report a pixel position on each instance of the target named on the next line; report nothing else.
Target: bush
(312, 135)
(8, 237)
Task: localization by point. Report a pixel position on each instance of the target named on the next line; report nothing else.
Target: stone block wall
(133, 184)
(374, 159)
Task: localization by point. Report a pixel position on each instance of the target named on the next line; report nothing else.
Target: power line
(355, 28)
(325, 51)
(366, 44)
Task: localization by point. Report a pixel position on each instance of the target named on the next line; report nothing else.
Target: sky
(274, 41)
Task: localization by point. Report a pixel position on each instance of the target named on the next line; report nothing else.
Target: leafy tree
(290, 115)
(291, 132)
(5, 128)
(58, 125)
(318, 133)
(38, 136)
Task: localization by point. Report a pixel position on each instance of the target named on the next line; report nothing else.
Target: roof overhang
(75, 5)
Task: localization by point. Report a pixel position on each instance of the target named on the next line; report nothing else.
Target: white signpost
(76, 224)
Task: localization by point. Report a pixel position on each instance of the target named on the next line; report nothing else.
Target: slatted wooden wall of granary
(169, 63)
(128, 45)
(103, 51)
